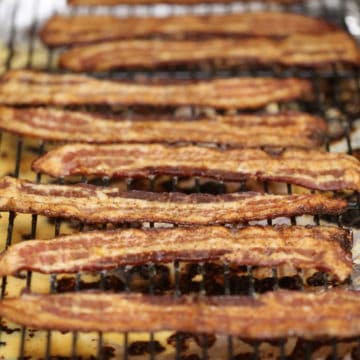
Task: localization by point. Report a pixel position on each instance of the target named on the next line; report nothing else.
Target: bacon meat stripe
(279, 314)
(84, 29)
(92, 204)
(24, 87)
(325, 249)
(295, 50)
(284, 130)
(309, 168)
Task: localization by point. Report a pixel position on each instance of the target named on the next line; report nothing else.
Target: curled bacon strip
(30, 88)
(91, 204)
(309, 168)
(284, 130)
(295, 50)
(322, 248)
(81, 29)
(278, 314)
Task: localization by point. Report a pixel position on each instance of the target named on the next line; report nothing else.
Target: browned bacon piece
(284, 130)
(279, 314)
(184, 2)
(325, 249)
(92, 204)
(23, 87)
(295, 50)
(84, 29)
(309, 168)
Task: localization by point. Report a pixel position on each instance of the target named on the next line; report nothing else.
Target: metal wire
(334, 76)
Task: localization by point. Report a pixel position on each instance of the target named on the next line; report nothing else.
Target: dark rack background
(335, 77)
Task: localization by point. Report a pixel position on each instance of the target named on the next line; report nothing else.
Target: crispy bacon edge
(51, 200)
(279, 314)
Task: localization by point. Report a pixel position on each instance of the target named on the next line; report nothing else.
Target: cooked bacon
(309, 168)
(184, 2)
(92, 204)
(284, 130)
(296, 50)
(83, 29)
(279, 314)
(29, 88)
(325, 249)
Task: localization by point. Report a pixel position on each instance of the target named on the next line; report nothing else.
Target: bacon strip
(295, 50)
(309, 168)
(184, 2)
(279, 314)
(83, 29)
(29, 88)
(284, 130)
(92, 204)
(325, 249)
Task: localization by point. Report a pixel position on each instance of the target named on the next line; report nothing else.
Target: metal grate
(330, 86)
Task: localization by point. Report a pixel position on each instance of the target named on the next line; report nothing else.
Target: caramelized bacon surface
(309, 168)
(325, 249)
(279, 314)
(23, 87)
(295, 50)
(82, 29)
(92, 204)
(284, 130)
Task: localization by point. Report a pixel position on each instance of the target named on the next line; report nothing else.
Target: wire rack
(337, 96)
